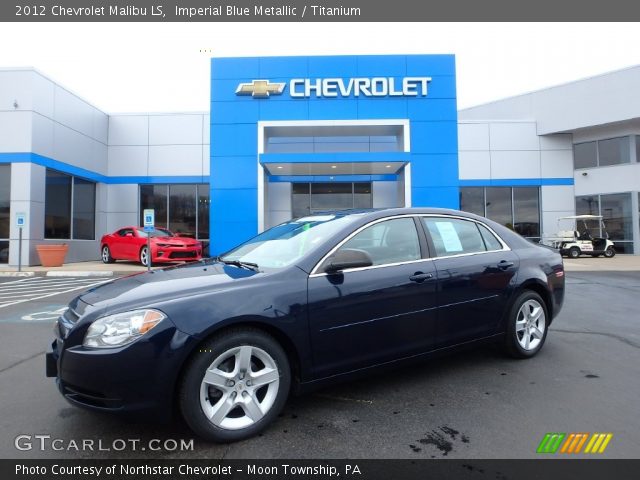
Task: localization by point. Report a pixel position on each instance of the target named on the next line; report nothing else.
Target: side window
(391, 241)
(489, 238)
(452, 236)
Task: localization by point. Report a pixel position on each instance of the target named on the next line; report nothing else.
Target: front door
(375, 314)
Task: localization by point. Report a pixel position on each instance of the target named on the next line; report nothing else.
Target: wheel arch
(250, 323)
(538, 286)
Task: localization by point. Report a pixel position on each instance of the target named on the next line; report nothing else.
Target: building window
(602, 153)
(517, 208)
(5, 211)
(585, 155)
(70, 207)
(615, 210)
(182, 208)
(84, 209)
(498, 205)
(309, 198)
(472, 200)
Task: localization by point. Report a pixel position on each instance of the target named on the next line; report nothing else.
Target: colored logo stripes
(573, 442)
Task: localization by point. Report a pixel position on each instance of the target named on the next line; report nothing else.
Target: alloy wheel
(239, 387)
(530, 324)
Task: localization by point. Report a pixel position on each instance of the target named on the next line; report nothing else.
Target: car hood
(175, 240)
(161, 285)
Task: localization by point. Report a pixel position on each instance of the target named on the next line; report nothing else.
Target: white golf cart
(588, 236)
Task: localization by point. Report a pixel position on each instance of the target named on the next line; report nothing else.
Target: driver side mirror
(128, 234)
(347, 258)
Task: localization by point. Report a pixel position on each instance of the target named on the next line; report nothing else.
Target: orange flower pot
(52, 255)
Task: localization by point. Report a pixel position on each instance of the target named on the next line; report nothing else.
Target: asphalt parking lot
(472, 404)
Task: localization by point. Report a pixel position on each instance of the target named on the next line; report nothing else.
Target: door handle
(420, 277)
(503, 265)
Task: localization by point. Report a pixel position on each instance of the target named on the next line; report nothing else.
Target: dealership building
(289, 136)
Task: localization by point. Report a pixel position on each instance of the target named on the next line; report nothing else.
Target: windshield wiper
(241, 264)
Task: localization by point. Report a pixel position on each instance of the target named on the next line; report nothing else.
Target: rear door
(371, 315)
(475, 273)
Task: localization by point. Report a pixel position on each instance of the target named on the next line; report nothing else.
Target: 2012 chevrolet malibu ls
(310, 301)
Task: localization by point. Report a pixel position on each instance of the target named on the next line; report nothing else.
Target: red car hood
(183, 241)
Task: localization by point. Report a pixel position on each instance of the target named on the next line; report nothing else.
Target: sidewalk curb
(17, 274)
(79, 273)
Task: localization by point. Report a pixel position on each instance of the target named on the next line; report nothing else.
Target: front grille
(183, 255)
(92, 399)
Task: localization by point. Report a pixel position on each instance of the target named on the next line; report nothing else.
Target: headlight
(122, 328)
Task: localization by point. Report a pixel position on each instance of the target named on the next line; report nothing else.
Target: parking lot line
(19, 293)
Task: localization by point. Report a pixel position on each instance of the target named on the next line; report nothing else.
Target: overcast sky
(139, 67)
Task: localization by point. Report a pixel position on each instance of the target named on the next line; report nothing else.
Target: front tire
(574, 252)
(527, 325)
(609, 252)
(106, 255)
(145, 257)
(235, 385)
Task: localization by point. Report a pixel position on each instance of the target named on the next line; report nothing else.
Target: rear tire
(610, 252)
(248, 381)
(527, 325)
(574, 252)
(106, 255)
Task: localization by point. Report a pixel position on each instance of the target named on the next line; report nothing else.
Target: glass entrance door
(310, 198)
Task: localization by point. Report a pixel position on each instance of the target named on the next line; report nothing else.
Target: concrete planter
(52, 255)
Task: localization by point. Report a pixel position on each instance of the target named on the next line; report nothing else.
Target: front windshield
(284, 244)
(153, 233)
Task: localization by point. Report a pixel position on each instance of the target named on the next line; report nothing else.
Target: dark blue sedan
(315, 300)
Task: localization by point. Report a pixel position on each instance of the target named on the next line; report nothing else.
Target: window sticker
(449, 236)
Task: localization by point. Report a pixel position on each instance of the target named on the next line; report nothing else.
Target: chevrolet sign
(338, 87)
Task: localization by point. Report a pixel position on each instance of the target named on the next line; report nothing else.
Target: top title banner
(315, 10)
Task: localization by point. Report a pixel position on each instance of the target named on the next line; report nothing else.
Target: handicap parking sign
(21, 220)
(149, 219)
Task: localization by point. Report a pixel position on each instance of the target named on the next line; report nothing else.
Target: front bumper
(176, 254)
(138, 379)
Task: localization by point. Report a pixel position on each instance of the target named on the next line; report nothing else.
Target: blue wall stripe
(28, 157)
(516, 182)
(332, 178)
(349, 157)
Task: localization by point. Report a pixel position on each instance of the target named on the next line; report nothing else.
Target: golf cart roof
(582, 217)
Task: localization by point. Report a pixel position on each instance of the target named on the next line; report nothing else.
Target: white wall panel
(128, 130)
(619, 178)
(473, 136)
(178, 129)
(16, 86)
(15, 131)
(474, 165)
(42, 135)
(43, 95)
(515, 164)
(128, 160)
(73, 112)
(561, 141)
(116, 220)
(122, 198)
(556, 163)
(513, 136)
(557, 197)
(175, 160)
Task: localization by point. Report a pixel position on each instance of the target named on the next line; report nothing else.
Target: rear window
(452, 236)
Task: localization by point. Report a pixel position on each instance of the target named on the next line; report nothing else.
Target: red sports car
(130, 243)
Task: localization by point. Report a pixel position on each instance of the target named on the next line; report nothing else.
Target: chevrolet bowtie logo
(260, 88)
